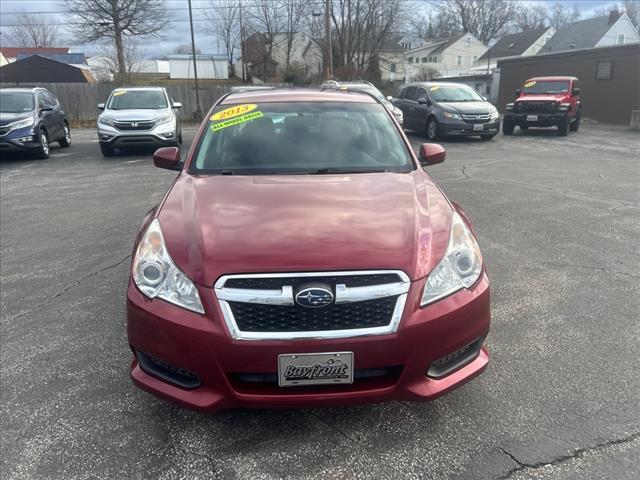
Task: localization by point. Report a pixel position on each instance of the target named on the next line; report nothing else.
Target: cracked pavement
(558, 221)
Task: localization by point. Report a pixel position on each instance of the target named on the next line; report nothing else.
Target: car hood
(467, 107)
(136, 114)
(542, 98)
(6, 117)
(219, 225)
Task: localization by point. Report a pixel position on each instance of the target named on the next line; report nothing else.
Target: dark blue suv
(30, 119)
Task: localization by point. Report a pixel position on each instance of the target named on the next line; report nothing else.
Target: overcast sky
(177, 32)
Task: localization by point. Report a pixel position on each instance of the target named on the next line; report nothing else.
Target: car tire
(180, 138)
(107, 151)
(65, 141)
(433, 129)
(43, 150)
(575, 125)
(563, 127)
(507, 127)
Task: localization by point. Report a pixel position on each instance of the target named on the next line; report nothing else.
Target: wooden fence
(80, 100)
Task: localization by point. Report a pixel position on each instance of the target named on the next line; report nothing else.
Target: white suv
(133, 117)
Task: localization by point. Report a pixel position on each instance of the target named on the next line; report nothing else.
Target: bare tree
(132, 58)
(561, 14)
(32, 31)
(632, 9)
(425, 74)
(117, 20)
(485, 19)
(225, 20)
(294, 14)
(185, 49)
(268, 18)
(530, 17)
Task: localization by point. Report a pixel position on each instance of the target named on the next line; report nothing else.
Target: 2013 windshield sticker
(119, 92)
(529, 84)
(233, 111)
(235, 121)
(434, 88)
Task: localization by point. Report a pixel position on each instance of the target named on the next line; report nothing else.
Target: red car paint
(219, 225)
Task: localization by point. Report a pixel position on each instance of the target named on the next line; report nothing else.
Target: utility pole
(242, 49)
(197, 115)
(327, 34)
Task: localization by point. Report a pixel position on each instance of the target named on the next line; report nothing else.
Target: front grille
(536, 107)
(134, 125)
(276, 283)
(476, 118)
(255, 317)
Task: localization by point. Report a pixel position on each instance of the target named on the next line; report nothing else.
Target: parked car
(30, 119)
(545, 102)
(312, 263)
(367, 87)
(442, 109)
(141, 116)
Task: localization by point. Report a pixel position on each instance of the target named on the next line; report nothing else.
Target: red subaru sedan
(303, 257)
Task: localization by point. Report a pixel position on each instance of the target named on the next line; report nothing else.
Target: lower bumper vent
(167, 372)
(455, 360)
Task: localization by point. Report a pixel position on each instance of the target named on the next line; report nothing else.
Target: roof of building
(582, 34)
(37, 69)
(12, 52)
(70, 58)
(199, 56)
(514, 44)
(436, 45)
(296, 95)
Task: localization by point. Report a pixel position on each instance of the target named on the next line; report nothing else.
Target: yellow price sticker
(529, 84)
(119, 92)
(233, 111)
(433, 89)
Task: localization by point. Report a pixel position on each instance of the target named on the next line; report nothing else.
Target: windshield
(301, 137)
(534, 87)
(137, 99)
(447, 93)
(16, 102)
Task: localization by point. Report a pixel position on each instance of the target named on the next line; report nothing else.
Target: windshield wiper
(328, 170)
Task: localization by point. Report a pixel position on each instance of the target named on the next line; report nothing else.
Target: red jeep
(545, 102)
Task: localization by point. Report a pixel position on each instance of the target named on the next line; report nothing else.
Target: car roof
(555, 78)
(23, 89)
(138, 88)
(297, 95)
(433, 84)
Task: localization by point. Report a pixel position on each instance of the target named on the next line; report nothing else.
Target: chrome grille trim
(284, 297)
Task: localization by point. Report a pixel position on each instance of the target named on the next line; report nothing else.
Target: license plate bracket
(532, 118)
(330, 368)
(478, 126)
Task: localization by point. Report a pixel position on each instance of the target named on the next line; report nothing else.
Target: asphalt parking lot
(558, 221)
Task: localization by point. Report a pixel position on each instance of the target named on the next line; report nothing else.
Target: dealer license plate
(478, 126)
(315, 369)
(532, 118)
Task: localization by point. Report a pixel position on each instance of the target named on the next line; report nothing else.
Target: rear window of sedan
(300, 137)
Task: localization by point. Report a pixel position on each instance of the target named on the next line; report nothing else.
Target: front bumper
(29, 142)
(541, 119)
(464, 129)
(202, 346)
(160, 136)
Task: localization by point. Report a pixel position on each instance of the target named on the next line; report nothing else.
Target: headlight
(26, 122)
(459, 268)
(565, 106)
(165, 119)
(156, 275)
(106, 121)
(509, 106)
(452, 115)
(495, 115)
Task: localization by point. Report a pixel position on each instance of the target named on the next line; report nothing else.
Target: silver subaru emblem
(314, 297)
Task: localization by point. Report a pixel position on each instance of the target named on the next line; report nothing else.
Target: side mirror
(576, 91)
(431, 153)
(423, 101)
(101, 106)
(167, 157)
(46, 108)
(177, 105)
(389, 97)
(518, 91)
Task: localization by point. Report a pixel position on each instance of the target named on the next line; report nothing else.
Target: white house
(305, 53)
(448, 56)
(607, 30)
(520, 44)
(210, 66)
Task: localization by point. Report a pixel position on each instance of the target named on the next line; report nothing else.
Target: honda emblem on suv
(314, 297)
(134, 124)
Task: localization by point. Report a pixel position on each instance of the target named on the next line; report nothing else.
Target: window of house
(424, 59)
(459, 60)
(410, 59)
(604, 69)
(475, 59)
(392, 68)
(467, 41)
(620, 39)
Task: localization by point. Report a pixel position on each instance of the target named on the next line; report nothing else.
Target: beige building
(449, 56)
